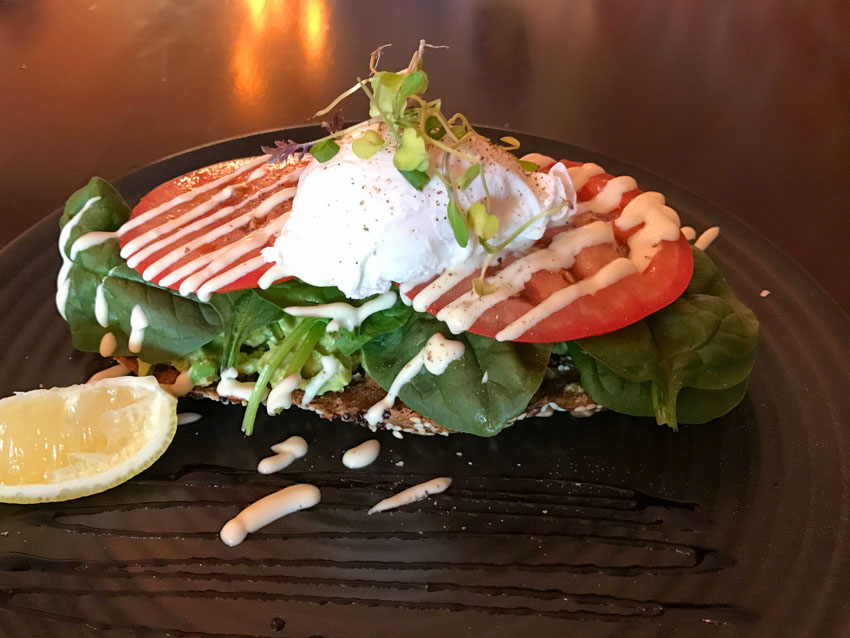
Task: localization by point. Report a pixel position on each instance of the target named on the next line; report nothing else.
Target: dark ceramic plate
(609, 526)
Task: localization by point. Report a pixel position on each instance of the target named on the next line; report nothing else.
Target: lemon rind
(163, 406)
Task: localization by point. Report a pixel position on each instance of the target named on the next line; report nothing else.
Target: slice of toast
(559, 392)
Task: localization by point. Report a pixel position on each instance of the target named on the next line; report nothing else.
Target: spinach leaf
(382, 322)
(295, 292)
(457, 399)
(607, 388)
(688, 362)
(241, 312)
(298, 293)
(177, 325)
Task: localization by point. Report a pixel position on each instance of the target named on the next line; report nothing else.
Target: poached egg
(357, 224)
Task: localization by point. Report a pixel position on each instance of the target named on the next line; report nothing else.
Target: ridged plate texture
(608, 526)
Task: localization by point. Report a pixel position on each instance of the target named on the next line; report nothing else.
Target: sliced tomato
(619, 304)
(210, 225)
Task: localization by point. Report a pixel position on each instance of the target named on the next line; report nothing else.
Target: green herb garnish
(324, 150)
(367, 144)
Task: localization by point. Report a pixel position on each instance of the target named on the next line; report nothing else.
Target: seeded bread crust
(559, 392)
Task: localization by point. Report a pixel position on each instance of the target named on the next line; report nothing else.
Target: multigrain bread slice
(559, 392)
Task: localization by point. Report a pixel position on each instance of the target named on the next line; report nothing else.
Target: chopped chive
(323, 151)
(531, 167)
(278, 354)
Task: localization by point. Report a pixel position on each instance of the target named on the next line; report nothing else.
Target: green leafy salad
(686, 361)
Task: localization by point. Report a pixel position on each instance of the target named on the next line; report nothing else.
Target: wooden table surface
(743, 102)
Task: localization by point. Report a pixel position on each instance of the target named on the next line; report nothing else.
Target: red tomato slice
(208, 227)
(624, 302)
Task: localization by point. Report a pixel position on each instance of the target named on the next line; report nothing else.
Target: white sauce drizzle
(295, 444)
(442, 285)
(484, 378)
(539, 159)
(413, 494)
(270, 276)
(230, 275)
(609, 197)
(108, 343)
(132, 249)
(330, 366)
(436, 355)
(138, 324)
(89, 240)
(185, 418)
(707, 238)
(362, 455)
(466, 309)
(257, 174)
(344, 315)
(268, 509)
(228, 386)
(660, 223)
(110, 373)
(182, 385)
(218, 230)
(63, 286)
(209, 272)
(607, 275)
(189, 196)
(285, 453)
(219, 262)
(582, 174)
(101, 308)
(280, 398)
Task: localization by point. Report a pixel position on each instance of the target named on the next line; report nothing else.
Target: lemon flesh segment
(65, 443)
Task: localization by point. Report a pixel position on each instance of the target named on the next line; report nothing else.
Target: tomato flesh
(624, 302)
(181, 236)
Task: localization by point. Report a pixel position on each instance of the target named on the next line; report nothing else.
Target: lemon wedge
(64, 443)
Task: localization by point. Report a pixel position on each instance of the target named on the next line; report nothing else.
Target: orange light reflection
(313, 29)
(280, 19)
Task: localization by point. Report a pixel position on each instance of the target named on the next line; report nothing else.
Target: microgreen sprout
(511, 143)
(367, 144)
(484, 224)
(468, 175)
(335, 124)
(458, 224)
